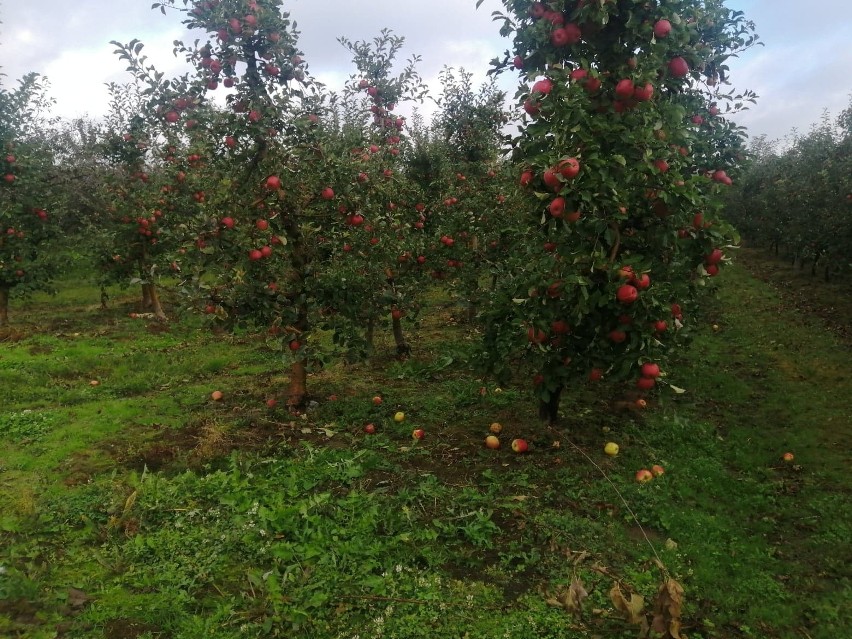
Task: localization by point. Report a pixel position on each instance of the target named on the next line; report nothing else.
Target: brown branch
(617, 246)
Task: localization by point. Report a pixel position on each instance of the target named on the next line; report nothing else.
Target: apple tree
(475, 191)
(375, 267)
(272, 184)
(623, 151)
(798, 200)
(27, 263)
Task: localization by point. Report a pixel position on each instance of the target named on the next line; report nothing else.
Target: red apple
(327, 193)
(645, 383)
(624, 88)
(627, 294)
(418, 433)
(551, 180)
(369, 428)
(569, 168)
(678, 67)
(642, 282)
(543, 87)
(273, 183)
(532, 108)
(519, 445)
(643, 94)
(567, 35)
(649, 369)
(657, 470)
(644, 476)
(616, 336)
(557, 207)
(662, 28)
(714, 257)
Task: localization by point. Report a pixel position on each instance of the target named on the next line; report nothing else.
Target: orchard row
(799, 201)
(581, 246)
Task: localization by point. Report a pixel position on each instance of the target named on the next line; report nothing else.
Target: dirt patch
(128, 629)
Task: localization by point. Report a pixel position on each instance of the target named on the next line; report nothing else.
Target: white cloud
(78, 77)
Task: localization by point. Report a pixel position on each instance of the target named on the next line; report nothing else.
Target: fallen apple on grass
(643, 476)
(496, 428)
(377, 400)
(788, 457)
(492, 442)
(399, 417)
(418, 433)
(271, 402)
(657, 470)
(216, 396)
(369, 428)
(520, 445)
(611, 449)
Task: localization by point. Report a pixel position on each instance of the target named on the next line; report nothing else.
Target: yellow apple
(399, 417)
(611, 449)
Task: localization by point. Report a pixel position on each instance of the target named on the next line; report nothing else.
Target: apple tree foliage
(475, 191)
(798, 201)
(26, 191)
(137, 223)
(373, 270)
(623, 151)
(269, 188)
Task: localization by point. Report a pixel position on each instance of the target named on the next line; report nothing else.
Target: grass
(139, 508)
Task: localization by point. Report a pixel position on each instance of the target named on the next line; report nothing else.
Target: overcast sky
(804, 68)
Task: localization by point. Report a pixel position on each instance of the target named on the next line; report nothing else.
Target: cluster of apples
(493, 442)
(643, 475)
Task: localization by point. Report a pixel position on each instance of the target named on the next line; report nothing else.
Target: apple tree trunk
(4, 306)
(298, 389)
(146, 297)
(156, 307)
(402, 347)
(369, 334)
(549, 410)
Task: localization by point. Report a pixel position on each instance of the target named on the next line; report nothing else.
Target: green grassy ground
(139, 508)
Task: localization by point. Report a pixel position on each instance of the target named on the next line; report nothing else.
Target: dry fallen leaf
(571, 598)
(632, 608)
(667, 610)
